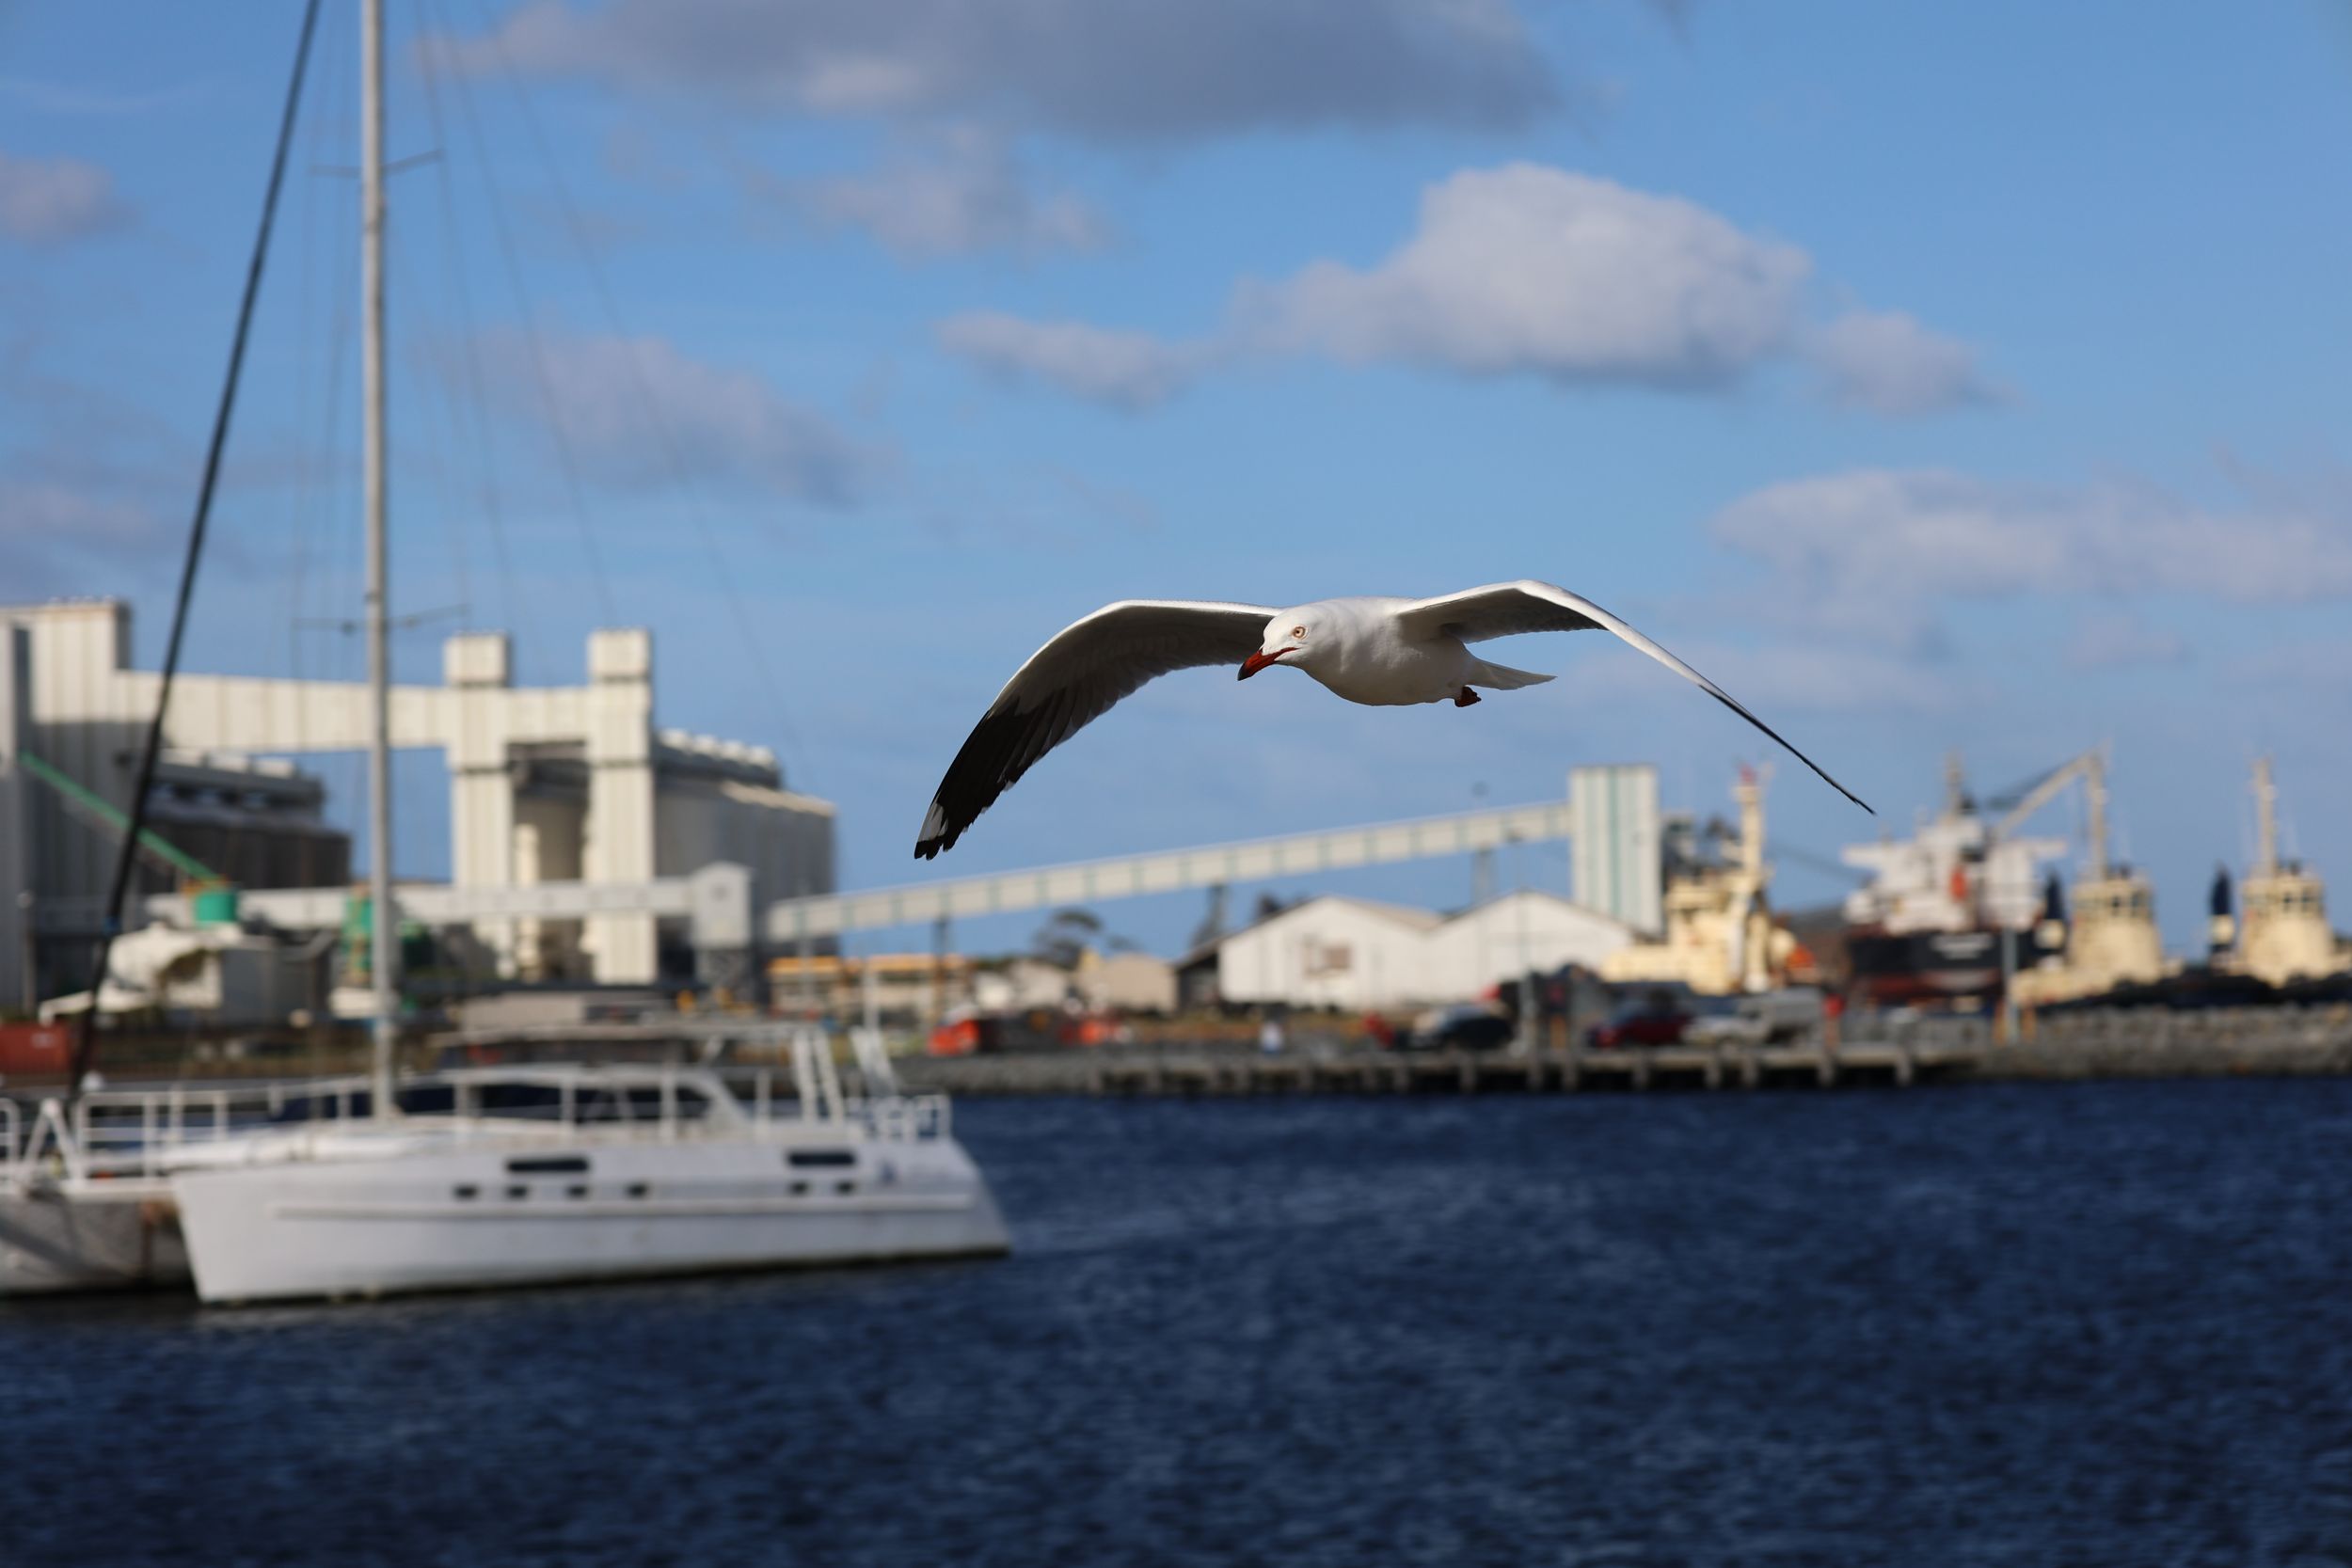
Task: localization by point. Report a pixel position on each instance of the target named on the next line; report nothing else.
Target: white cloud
(1536, 270)
(963, 192)
(1874, 548)
(1527, 270)
(2107, 639)
(1112, 69)
(1124, 370)
(45, 200)
(634, 409)
(1887, 362)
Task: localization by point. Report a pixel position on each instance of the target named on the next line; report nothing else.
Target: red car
(1657, 1019)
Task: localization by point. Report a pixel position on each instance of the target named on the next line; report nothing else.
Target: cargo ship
(1963, 900)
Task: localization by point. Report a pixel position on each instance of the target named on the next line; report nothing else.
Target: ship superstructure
(2285, 936)
(1720, 937)
(2112, 939)
(1964, 908)
(1927, 929)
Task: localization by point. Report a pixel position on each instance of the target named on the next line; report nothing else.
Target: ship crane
(2092, 768)
(1951, 911)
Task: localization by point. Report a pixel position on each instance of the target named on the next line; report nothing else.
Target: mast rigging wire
(474, 426)
(86, 1041)
(698, 510)
(542, 378)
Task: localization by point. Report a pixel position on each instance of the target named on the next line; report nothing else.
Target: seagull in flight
(1381, 652)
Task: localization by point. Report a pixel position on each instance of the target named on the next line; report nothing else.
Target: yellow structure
(920, 984)
(2286, 935)
(1720, 937)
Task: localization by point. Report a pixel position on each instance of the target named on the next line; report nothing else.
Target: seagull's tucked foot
(1465, 697)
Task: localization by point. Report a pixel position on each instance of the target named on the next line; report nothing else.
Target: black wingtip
(1832, 782)
(927, 848)
(1819, 771)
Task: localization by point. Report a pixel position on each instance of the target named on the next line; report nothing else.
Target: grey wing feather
(1071, 682)
(1508, 609)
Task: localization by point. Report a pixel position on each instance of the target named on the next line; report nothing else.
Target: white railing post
(827, 1075)
(873, 1062)
(804, 1074)
(52, 1125)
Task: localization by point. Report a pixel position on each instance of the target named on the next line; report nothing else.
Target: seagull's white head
(1290, 639)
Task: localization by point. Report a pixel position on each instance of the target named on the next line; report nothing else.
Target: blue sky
(1934, 377)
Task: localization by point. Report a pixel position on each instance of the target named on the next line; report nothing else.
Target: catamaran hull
(55, 1239)
(477, 1218)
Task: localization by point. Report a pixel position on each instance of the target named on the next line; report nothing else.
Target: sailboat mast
(384, 922)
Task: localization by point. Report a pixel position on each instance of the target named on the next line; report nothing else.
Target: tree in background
(1065, 937)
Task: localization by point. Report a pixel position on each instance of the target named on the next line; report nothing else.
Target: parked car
(1763, 1018)
(1655, 1017)
(1464, 1027)
(1723, 1021)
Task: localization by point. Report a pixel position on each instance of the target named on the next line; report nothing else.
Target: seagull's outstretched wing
(1504, 608)
(1075, 680)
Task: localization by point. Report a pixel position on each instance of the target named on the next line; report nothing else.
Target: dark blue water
(2034, 1325)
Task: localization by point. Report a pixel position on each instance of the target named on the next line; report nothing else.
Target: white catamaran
(482, 1177)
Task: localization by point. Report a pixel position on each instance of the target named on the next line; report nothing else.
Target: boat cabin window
(644, 1102)
(804, 1159)
(548, 1164)
(635, 1102)
(520, 1101)
(427, 1100)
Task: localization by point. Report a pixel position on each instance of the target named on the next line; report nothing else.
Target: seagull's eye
(1298, 631)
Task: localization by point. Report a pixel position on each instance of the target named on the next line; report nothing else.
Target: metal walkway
(715, 899)
(1133, 876)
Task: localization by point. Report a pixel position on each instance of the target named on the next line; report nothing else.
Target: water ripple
(2016, 1326)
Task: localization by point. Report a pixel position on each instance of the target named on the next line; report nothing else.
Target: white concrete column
(620, 832)
(479, 666)
(16, 867)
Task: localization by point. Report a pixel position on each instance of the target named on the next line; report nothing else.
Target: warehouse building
(1353, 953)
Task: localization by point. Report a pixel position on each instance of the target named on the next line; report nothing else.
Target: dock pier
(1205, 1073)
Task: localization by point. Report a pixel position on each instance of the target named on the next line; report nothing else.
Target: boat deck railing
(134, 1133)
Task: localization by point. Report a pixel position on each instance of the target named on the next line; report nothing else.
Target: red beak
(1256, 662)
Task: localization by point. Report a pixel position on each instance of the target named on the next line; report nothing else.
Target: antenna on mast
(2265, 820)
(383, 920)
